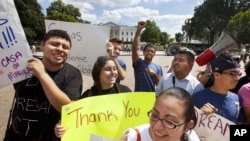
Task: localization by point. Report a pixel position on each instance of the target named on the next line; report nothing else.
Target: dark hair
(190, 55)
(184, 96)
(149, 45)
(115, 40)
(247, 68)
(57, 33)
(96, 70)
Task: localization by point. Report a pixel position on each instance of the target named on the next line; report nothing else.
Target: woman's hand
(59, 130)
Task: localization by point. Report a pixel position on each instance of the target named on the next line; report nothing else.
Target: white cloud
(116, 3)
(89, 17)
(128, 12)
(108, 3)
(111, 15)
(167, 23)
(132, 12)
(170, 23)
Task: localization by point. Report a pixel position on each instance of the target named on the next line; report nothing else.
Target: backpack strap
(138, 135)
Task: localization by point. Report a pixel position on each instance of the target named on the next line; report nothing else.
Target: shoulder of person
(133, 133)
(85, 94)
(88, 92)
(192, 136)
(120, 60)
(71, 67)
(168, 75)
(124, 88)
(200, 93)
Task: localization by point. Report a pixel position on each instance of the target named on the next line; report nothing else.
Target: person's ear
(42, 45)
(190, 125)
(216, 74)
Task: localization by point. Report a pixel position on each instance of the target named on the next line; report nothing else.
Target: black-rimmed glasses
(164, 122)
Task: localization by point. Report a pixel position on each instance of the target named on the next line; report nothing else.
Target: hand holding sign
(110, 49)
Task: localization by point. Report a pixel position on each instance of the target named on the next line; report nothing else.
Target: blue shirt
(123, 65)
(228, 105)
(144, 81)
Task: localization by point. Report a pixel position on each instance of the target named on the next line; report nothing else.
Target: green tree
(151, 33)
(179, 37)
(32, 19)
(164, 38)
(239, 26)
(62, 12)
(213, 15)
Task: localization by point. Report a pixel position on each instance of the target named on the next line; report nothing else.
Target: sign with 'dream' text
(212, 127)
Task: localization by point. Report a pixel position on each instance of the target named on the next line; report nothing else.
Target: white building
(123, 32)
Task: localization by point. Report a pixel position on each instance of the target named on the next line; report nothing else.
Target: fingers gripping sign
(110, 49)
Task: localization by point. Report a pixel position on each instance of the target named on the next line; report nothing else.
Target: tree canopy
(239, 26)
(151, 33)
(32, 19)
(64, 12)
(212, 17)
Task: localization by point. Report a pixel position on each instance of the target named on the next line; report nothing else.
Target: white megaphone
(225, 42)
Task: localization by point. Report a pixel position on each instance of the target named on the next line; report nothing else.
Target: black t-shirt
(94, 91)
(33, 115)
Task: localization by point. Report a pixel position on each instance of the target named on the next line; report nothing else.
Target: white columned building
(123, 32)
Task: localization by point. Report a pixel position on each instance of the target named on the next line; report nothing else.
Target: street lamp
(188, 25)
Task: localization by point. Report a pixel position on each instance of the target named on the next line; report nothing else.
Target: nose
(159, 124)
(113, 71)
(59, 47)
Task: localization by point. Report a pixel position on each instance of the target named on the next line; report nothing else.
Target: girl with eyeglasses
(171, 119)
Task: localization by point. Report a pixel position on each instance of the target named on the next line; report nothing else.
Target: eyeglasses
(164, 122)
(232, 74)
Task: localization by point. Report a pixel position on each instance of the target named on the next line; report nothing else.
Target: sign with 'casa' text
(14, 48)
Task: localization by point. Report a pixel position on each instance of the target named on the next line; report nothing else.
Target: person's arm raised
(110, 53)
(135, 44)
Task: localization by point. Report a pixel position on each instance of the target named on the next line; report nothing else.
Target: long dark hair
(99, 64)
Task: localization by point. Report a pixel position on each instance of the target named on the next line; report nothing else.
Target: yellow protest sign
(107, 116)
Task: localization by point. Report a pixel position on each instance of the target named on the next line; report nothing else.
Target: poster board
(106, 116)
(88, 42)
(212, 127)
(14, 48)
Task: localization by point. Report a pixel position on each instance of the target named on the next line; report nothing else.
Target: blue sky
(169, 15)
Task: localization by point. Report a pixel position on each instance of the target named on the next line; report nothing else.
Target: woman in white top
(172, 119)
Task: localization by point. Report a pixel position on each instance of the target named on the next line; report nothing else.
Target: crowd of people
(219, 89)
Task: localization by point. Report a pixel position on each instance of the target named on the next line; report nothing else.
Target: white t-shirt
(143, 130)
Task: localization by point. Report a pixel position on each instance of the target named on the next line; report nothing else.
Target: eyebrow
(167, 115)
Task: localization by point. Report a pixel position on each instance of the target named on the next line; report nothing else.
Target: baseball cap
(223, 62)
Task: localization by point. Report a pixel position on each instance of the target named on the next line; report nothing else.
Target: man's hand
(110, 49)
(141, 25)
(36, 66)
(208, 109)
(150, 71)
